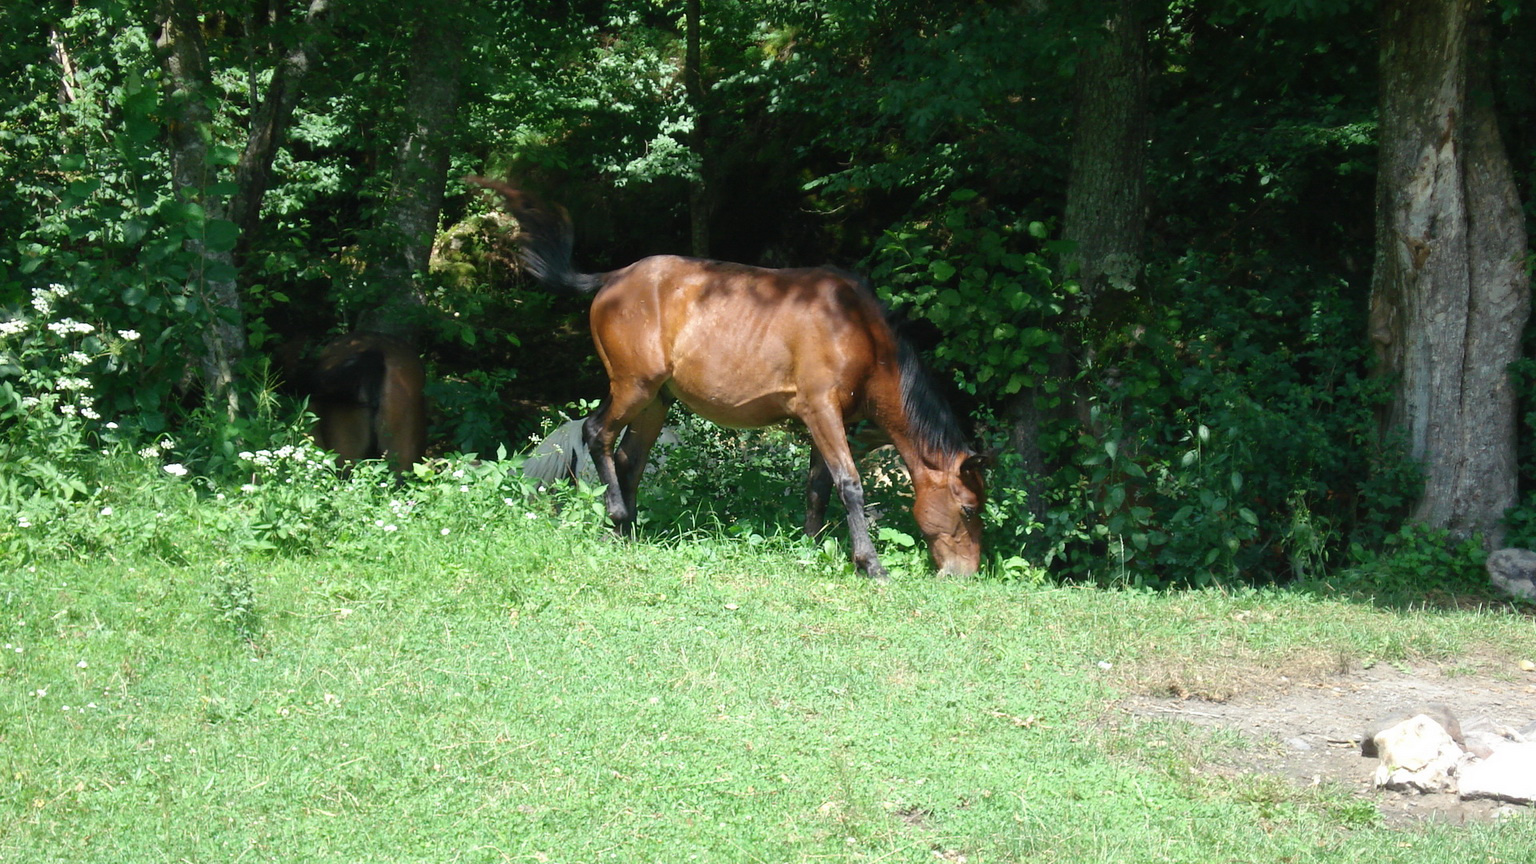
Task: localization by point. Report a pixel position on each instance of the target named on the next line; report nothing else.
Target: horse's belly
(733, 407)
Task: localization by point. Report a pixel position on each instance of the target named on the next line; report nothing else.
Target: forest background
(1236, 291)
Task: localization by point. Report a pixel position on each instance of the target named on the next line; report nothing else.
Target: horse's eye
(968, 512)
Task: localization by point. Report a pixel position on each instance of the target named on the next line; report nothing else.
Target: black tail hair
(545, 239)
(357, 380)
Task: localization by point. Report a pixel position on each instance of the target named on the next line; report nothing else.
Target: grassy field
(527, 692)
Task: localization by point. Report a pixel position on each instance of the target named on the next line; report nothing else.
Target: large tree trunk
(1449, 295)
(410, 214)
(184, 59)
(1106, 208)
(1106, 190)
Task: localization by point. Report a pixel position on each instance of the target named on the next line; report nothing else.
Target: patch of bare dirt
(1309, 730)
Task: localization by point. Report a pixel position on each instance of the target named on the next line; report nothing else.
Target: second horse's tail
(545, 239)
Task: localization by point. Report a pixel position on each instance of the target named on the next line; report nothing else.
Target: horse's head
(947, 506)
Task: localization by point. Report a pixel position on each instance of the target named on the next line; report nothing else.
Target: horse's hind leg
(630, 459)
(818, 489)
(602, 427)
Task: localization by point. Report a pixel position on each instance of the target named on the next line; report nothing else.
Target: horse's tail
(545, 239)
(350, 372)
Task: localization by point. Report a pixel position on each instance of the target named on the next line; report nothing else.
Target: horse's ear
(981, 463)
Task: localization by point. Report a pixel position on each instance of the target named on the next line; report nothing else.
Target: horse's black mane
(929, 416)
(932, 421)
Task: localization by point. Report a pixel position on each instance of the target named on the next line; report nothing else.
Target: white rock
(1417, 755)
(1513, 571)
(1509, 774)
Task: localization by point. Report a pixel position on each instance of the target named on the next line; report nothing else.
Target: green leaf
(941, 270)
(223, 154)
(134, 231)
(219, 271)
(221, 235)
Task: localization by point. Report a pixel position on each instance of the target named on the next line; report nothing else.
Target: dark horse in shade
(366, 391)
(747, 347)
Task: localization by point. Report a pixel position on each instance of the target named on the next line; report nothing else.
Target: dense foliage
(1220, 425)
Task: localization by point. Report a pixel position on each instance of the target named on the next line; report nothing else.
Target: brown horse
(366, 390)
(747, 347)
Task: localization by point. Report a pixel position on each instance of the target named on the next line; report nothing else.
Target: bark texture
(1449, 294)
(185, 61)
(1106, 189)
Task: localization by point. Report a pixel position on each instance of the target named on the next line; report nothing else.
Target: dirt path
(1309, 730)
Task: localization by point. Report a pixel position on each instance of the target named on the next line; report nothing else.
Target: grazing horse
(366, 390)
(747, 347)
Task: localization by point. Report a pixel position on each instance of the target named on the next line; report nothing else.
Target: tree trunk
(184, 58)
(1106, 190)
(1449, 294)
(410, 214)
(269, 123)
(699, 205)
(1105, 211)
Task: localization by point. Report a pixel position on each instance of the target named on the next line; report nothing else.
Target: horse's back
(741, 345)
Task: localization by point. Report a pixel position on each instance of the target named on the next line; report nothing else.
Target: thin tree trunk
(269, 123)
(1449, 294)
(410, 214)
(184, 57)
(698, 190)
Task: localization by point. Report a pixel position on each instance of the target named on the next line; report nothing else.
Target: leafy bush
(1414, 563)
(748, 481)
(1237, 446)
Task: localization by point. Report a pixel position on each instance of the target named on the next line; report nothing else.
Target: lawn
(533, 692)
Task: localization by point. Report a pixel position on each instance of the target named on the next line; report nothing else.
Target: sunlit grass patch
(516, 688)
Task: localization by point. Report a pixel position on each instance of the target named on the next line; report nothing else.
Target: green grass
(519, 691)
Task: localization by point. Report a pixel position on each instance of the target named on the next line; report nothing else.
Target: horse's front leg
(827, 432)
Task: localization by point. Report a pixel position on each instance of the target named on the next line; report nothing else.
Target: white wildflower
(176, 469)
(12, 327)
(128, 335)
